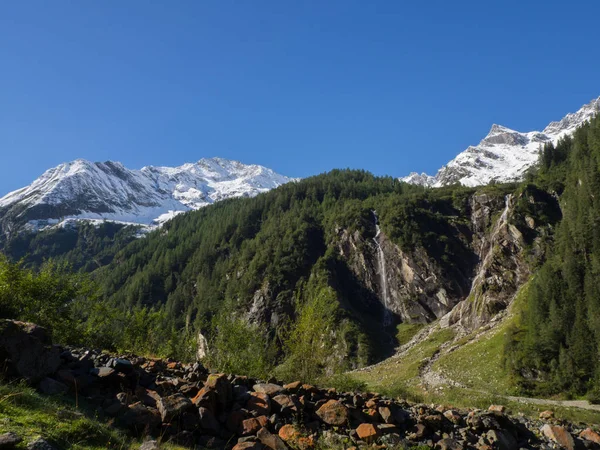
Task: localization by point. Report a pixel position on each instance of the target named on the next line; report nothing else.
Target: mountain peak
(83, 190)
(504, 154)
(497, 129)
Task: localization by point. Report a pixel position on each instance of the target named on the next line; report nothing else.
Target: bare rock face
(417, 287)
(26, 351)
(501, 271)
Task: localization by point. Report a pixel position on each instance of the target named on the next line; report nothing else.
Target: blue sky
(301, 87)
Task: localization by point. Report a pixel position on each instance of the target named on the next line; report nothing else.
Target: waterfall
(381, 271)
(502, 221)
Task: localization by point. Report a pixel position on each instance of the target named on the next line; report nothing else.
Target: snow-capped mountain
(82, 190)
(503, 155)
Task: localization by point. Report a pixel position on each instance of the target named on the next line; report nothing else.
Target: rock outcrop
(27, 351)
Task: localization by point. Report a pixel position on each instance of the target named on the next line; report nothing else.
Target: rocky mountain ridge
(504, 155)
(82, 190)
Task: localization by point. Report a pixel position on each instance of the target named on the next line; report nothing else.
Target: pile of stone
(187, 405)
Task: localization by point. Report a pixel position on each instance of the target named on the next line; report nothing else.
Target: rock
(259, 403)
(268, 388)
(40, 444)
(208, 421)
(449, 444)
(250, 426)
(434, 422)
(387, 428)
(367, 432)
(122, 365)
(501, 439)
(293, 387)
(248, 446)
(453, 416)
(206, 397)
(497, 409)
(386, 414)
(173, 406)
(26, 351)
(184, 439)
(546, 415)
(284, 404)
(140, 419)
(333, 412)
(150, 445)
(420, 431)
(590, 435)
(9, 440)
(222, 387)
(288, 433)
(50, 386)
(559, 435)
(105, 373)
(270, 440)
(147, 396)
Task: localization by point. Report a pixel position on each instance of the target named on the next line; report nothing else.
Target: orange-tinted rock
(373, 415)
(559, 435)
(250, 426)
(499, 409)
(294, 438)
(263, 420)
(259, 403)
(333, 413)
(207, 398)
(590, 435)
(371, 404)
(367, 432)
(289, 433)
(293, 387)
(547, 414)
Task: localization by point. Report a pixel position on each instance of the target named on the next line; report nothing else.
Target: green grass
(56, 419)
(478, 364)
(31, 415)
(398, 377)
(406, 331)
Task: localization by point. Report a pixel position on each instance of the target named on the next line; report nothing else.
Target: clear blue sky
(299, 86)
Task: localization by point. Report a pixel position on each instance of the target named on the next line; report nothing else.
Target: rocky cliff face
(417, 289)
(420, 290)
(502, 268)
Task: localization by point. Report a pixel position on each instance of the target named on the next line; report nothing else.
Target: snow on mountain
(504, 155)
(83, 190)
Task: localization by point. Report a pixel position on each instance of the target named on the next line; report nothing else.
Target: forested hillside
(557, 349)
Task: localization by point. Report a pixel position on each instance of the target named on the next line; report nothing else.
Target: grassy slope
(31, 415)
(476, 364)
(400, 376)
